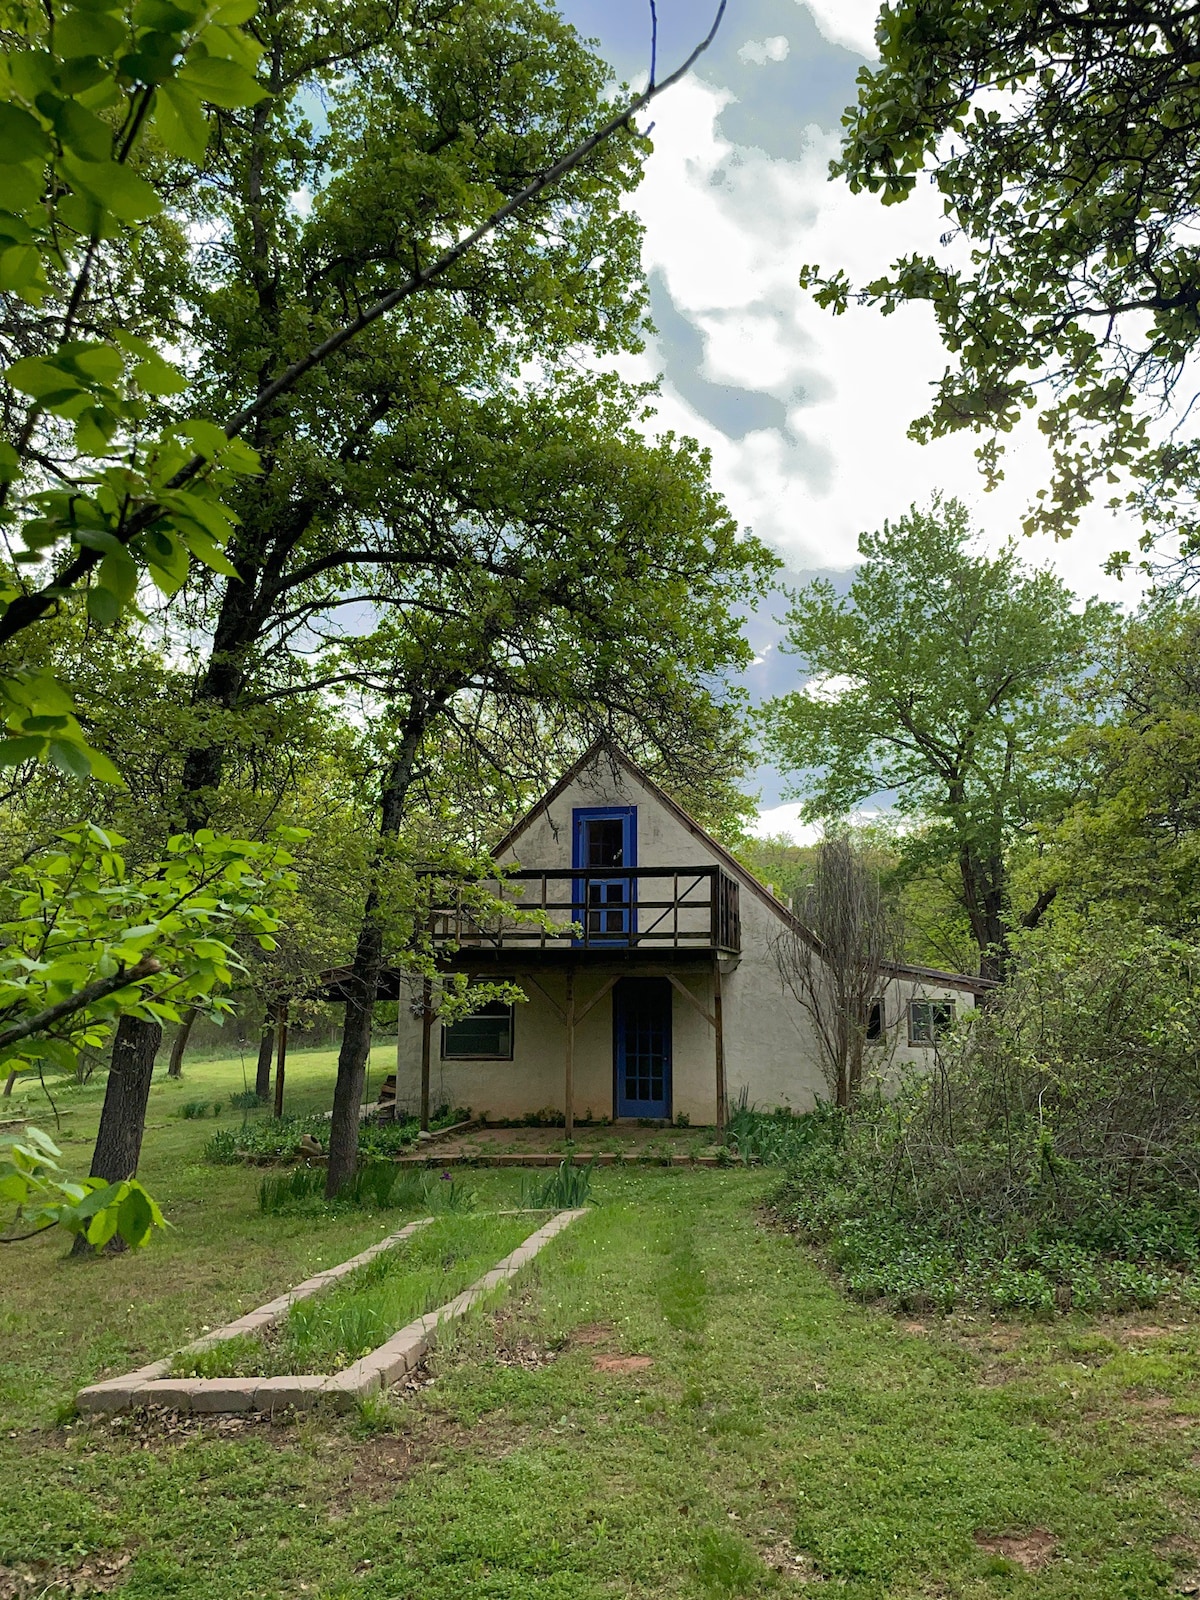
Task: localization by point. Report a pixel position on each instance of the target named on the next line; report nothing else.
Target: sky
(805, 413)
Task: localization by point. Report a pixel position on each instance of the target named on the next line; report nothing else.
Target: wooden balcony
(648, 911)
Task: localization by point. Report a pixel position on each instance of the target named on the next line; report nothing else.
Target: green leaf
(39, 378)
(232, 13)
(119, 575)
(116, 188)
(180, 120)
(222, 83)
(158, 377)
(88, 33)
(103, 607)
(22, 138)
(21, 273)
(26, 748)
(10, 463)
(134, 1217)
(70, 758)
(83, 133)
(102, 1227)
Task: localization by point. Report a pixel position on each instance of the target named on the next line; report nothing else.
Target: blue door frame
(605, 904)
(642, 1047)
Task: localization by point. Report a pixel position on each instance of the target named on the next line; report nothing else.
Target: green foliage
(194, 1110)
(947, 676)
(567, 1188)
(32, 1182)
(75, 922)
(79, 96)
(377, 1185)
(1064, 144)
(1051, 1157)
(778, 1137)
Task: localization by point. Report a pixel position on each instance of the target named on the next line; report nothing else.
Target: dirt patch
(621, 1363)
(914, 1327)
(153, 1424)
(782, 1557)
(592, 1333)
(97, 1575)
(1030, 1551)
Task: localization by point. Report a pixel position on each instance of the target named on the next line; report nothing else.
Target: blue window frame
(603, 840)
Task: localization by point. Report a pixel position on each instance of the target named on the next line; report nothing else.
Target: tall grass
(330, 1330)
(567, 1188)
(377, 1185)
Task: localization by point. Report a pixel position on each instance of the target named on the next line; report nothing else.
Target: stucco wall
(770, 1048)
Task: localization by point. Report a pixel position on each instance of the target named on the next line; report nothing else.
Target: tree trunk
(9, 1081)
(123, 1119)
(363, 984)
(266, 1048)
(180, 1043)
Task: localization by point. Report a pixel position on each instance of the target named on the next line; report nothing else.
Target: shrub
(777, 1137)
(1050, 1158)
(245, 1100)
(192, 1110)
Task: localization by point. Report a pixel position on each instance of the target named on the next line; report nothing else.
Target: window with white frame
(929, 1020)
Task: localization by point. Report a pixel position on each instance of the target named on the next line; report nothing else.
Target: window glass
(875, 1023)
(605, 842)
(929, 1020)
(486, 1034)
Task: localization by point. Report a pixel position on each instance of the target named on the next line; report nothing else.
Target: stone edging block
(404, 1351)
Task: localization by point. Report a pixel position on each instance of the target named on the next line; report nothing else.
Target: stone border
(149, 1386)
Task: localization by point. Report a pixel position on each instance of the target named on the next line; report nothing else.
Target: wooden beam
(281, 1030)
(546, 996)
(596, 998)
(426, 1033)
(569, 1076)
(719, 1035)
(691, 999)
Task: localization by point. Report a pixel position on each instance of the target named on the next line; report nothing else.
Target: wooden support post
(281, 1030)
(719, 1032)
(569, 1076)
(426, 1032)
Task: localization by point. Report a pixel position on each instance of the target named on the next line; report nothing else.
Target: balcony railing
(652, 909)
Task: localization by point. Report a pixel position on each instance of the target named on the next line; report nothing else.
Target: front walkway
(548, 1146)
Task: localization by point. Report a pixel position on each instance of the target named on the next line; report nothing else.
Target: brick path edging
(149, 1385)
(537, 1158)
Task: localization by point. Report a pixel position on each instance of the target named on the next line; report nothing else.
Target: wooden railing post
(569, 1072)
(426, 1033)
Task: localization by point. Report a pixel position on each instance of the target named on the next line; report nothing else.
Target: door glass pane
(605, 842)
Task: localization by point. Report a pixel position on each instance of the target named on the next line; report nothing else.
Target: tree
(946, 676)
(1131, 846)
(835, 958)
(1065, 143)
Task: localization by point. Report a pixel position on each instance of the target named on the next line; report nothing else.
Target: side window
(875, 1022)
(486, 1035)
(929, 1020)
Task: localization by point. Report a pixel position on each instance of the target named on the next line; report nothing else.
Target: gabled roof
(604, 749)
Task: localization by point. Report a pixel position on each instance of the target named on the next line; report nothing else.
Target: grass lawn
(770, 1439)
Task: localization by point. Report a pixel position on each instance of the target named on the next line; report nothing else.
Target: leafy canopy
(1064, 141)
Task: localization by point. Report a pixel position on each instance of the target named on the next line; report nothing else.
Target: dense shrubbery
(1051, 1158)
(278, 1138)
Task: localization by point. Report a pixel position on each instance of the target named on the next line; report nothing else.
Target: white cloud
(729, 229)
(848, 22)
(757, 52)
(785, 820)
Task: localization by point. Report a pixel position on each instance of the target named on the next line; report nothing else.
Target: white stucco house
(655, 991)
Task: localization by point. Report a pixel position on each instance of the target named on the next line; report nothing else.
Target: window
(875, 1022)
(486, 1035)
(929, 1020)
(604, 842)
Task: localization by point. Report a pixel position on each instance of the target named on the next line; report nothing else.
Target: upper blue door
(604, 841)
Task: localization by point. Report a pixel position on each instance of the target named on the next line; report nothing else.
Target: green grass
(779, 1425)
(329, 1331)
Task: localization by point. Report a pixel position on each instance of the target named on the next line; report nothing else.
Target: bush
(377, 1185)
(278, 1139)
(1051, 1157)
(192, 1110)
(779, 1136)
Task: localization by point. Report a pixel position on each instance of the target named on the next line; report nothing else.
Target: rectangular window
(486, 1035)
(875, 1023)
(929, 1020)
(604, 842)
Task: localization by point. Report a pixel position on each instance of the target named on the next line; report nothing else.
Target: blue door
(642, 1047)
(604, 841)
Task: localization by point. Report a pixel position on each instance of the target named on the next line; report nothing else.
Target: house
(649, 956)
